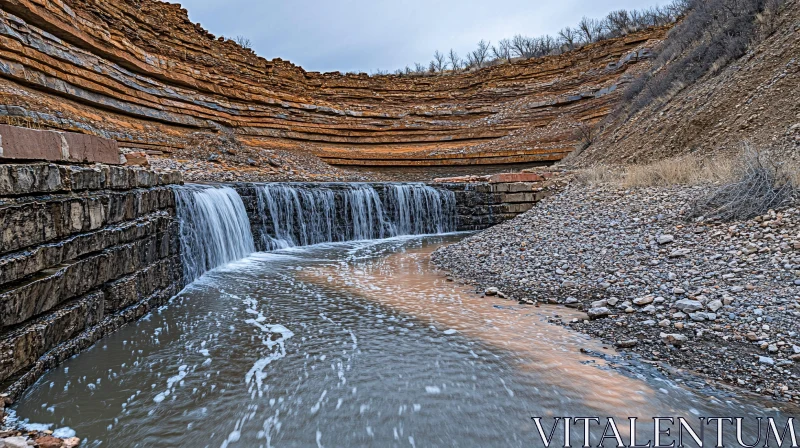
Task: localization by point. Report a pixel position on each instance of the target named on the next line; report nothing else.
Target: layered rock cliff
(140, 72)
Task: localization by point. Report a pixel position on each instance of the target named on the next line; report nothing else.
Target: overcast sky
(366, 35)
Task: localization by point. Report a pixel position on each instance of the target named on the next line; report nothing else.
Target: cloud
(365, 35)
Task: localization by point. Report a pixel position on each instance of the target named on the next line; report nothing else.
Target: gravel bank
(719, 299)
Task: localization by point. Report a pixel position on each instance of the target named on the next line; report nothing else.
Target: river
(347, 344)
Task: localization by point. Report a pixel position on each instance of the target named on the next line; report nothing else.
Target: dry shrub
(760, 184)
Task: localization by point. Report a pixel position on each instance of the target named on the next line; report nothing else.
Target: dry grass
(598, 175)
(684, 170)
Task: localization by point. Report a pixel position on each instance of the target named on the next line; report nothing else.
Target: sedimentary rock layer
(82, 251)
(141, 73)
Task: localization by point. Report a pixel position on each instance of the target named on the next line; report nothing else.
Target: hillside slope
(755, 99)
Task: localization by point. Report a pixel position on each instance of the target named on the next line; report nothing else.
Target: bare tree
(419, 68)
(481, 54)
(470, 62)
(243, 42)
(569, 37)
(455, 61)
(678, 8)
(523, 46)
(637, 20)
(619, 22)
(503, 50)
(439, 62)
(590, 30)
(547, 44)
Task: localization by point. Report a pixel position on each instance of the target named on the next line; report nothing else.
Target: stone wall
(484, 202)
(83, 250)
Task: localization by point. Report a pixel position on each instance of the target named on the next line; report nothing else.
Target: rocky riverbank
(719, 299)
(36, 439)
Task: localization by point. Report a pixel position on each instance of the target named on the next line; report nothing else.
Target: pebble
(674, 338)
(688, 305)
(698, 317)
(714, 305)
(665, 239)
(678, 253)
(597, 313)
(627, 343)
(14, 442)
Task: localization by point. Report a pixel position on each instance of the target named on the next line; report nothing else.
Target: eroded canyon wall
(140, 72)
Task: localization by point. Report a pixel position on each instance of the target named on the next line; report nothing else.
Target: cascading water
(214, 228)
(419, 209)
(304, 214)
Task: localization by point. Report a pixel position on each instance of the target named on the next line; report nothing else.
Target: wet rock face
(144, 74)
(83, 249)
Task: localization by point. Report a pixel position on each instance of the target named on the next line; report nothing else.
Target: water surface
(344, 345)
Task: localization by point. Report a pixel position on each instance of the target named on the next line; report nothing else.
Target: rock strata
(143, 74)
(83, 250)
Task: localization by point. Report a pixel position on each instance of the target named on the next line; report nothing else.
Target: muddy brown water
(347, 345)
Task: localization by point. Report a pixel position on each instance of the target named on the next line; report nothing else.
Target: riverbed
(343, 345)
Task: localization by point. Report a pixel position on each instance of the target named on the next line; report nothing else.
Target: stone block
(30, 224)
(517, 208)
(145, 178)
(521, 187)
(120, 178)
(136, 159)
(85, 178)
(18, 143)
(17, 180)
(29, 144)
(519, 197)
(83, 148)
(170, 178)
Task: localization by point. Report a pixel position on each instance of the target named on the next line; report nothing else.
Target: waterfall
(214, 228)
(303, 214)
(420, 209)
